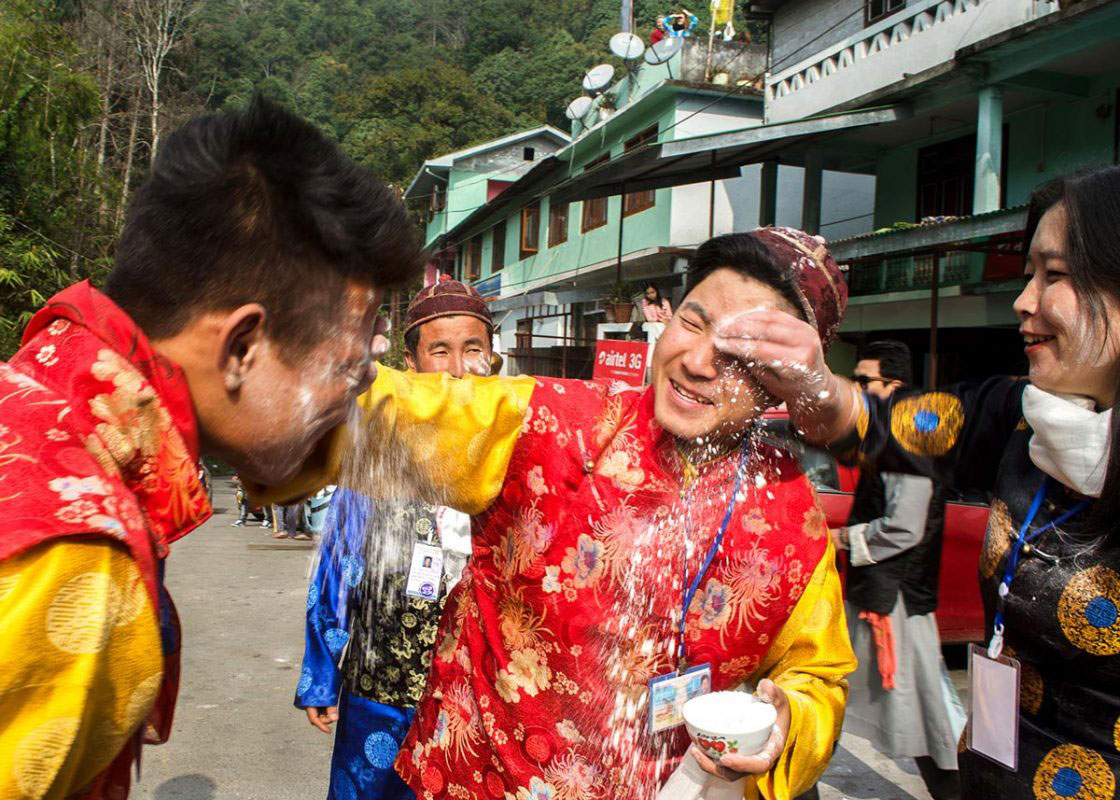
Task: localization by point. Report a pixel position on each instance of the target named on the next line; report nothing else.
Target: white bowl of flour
(729, 723)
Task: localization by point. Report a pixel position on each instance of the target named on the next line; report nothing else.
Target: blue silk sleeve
(328, 596)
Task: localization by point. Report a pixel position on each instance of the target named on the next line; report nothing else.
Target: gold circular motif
(997, 540)
(82, 613)
(1069, 771)
(139, 703)
(927, 424)
(1089, 611)
(1116, 734)
(1030, 689)
(38, 756)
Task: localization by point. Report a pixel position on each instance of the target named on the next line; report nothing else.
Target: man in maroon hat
(630, 550)
(373, 602)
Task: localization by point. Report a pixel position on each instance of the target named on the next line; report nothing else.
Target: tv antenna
(661, 52)
(597, 79)
(578, 108)
(627, 46)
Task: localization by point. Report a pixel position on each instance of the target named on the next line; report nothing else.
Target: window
(498, 254)
(633, 202)
(472, 259)
(530, 230)
(557, 224)
(945, 178)
(594, 210)
(528, 153)
(875, 10)
(594, 214)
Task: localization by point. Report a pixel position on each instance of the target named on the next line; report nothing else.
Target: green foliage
(396, 81)
(47, 181)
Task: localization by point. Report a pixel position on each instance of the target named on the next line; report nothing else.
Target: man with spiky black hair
(239, 322)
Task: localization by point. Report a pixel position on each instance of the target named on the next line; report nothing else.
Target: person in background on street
(242, 503)
(291, 516)
(655, 308)
(591, 506)
(1048, 448)
(681, 23)
(373, 694)
(900, 697)
(253, 248)
(658, 33)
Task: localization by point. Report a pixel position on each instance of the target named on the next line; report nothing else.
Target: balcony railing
(906, 273)
(922, 35)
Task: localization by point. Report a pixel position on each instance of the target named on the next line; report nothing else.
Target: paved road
(236, 734)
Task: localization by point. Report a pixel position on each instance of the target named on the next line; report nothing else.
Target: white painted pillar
(989, 150)
(811, 192)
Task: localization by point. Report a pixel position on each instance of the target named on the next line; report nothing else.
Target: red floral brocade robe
(99, 452)
(584, 527)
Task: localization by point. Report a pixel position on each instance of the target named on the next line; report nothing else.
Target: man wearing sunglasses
(893, 538)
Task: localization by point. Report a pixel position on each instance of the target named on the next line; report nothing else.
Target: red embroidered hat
(820, 284)
(446, 297)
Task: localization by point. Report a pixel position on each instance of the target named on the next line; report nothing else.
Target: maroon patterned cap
(446, 297)
(820, 284)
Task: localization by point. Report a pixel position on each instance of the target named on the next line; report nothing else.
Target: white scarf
(1071, 439)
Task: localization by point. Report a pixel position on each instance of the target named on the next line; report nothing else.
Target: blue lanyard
(691, 591)
(1025, 537)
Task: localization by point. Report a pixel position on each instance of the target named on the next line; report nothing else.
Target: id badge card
(668, 693)
(426, 572)
(993, 727)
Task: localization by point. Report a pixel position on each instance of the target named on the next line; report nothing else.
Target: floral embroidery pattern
(564, 624)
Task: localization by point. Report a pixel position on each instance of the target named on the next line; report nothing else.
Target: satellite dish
(598, 78)
(578, 108)
(662, 51)
(627, 46)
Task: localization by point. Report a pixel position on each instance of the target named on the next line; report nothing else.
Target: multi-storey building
(549, 263)
(909, 132)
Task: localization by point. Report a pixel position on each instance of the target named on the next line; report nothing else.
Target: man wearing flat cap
(377, 605)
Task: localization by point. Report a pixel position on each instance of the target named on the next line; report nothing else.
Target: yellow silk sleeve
(422, 436)
(80, 664)
(809, 660)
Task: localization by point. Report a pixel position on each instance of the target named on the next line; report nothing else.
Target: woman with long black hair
(1049, 450)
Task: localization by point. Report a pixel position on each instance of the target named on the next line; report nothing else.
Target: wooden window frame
(869, 20)
(472, 260)
(558, 223)
(636, 202)
(498, 248)
(530, 212)
(594, 214)
(588, 220)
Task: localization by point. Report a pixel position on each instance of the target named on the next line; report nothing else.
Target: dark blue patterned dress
(1062, 618)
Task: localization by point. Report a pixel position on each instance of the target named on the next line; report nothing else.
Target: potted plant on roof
(621, 301)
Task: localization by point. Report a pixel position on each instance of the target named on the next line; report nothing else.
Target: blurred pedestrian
(900, 697)
(242, 502)
(658, 33)
(681, 23)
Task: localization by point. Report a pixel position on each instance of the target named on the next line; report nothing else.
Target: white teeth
(689, 395)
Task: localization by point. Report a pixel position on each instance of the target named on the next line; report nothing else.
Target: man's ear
(242, 335)
(410, 360)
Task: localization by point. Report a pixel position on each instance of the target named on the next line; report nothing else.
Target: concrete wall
(924, 34)
(508, 163)
(803, 28)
